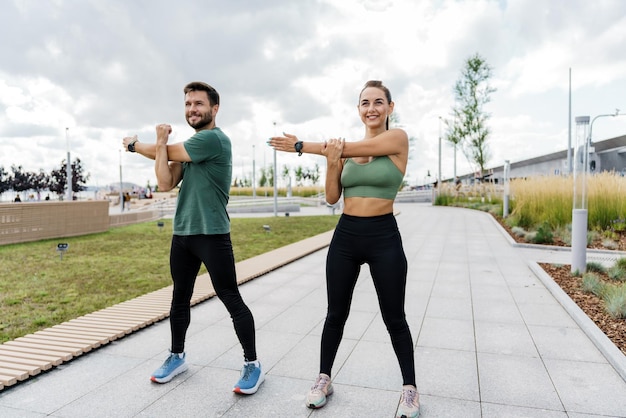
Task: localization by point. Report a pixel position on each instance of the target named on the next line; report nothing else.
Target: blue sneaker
(251, 378)
(172, 366)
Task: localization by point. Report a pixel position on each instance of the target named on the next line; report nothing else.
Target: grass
(39, 289)
(542, 205)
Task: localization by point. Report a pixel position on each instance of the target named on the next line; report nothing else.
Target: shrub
(518, 231)
(544, 234)
(594, 266)
(617, 273)
(621, 262)
(615, 301)
(591, 283)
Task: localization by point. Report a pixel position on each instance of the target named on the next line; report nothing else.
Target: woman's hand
(283, 143)
(333, 148)
(129, 140)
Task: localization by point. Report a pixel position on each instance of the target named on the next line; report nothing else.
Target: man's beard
(205, 120)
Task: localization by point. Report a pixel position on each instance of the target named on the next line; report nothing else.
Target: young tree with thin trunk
(467, 129)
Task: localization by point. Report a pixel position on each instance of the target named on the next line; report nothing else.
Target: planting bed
(615, 329)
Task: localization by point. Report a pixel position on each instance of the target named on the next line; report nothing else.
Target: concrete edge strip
(111, 327)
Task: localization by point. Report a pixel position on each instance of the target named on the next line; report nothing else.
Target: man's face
(198, 110)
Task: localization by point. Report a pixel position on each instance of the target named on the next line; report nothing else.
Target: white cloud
(115, 68)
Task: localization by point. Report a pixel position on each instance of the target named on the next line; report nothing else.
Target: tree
(468, 128)
(20, 181)
(58, 178)
(4, 180)
(40, 181)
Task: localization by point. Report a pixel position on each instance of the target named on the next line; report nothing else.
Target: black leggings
(377, 242)
(216, 252)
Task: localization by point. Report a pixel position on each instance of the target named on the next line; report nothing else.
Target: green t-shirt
(204, 192)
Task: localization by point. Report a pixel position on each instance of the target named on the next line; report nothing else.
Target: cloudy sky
(89, 72)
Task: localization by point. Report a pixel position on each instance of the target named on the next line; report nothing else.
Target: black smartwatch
(298, 146)
(131, 146)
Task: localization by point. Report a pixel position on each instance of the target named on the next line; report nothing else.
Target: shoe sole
(180, 369)
(318, 406)
(253, 389)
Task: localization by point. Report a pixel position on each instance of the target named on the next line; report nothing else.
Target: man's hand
(163, 132)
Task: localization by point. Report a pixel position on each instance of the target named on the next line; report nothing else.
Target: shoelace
(409, 397)
(247, 369)
(169, 360)
(320, 383)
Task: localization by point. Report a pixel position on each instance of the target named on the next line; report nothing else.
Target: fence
(26, 221)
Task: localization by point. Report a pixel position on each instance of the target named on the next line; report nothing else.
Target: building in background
(607, 155)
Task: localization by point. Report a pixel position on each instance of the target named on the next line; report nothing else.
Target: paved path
(493, 339)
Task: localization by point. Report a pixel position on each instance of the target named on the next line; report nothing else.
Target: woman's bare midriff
(367, 206)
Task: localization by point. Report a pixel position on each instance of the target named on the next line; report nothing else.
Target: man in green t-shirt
(201, 227)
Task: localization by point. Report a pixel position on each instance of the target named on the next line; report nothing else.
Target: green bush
(591, 283)
(615, 301)
(596, 267)
(544, 234)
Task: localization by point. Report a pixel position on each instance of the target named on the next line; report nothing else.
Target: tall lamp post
(121, 188)
(68, 167)
(275, 180)
(507, 188)
(253, 175)
(579, 208)
(439, 172)
(579, 211)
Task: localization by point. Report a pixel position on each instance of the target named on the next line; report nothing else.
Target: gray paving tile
(453, 334)
(535, 293)
(296, 320)
(546, 314)
(50, 391)
(447, 373)
(516, 381)
(354, 401)
(564, 343)
(6, 412)
(126, 395)
(448, 407)
(504, 338)
(497, 310)
(371, 365)
(303, 360)
(490, 410)
(449, 308)
(206, 393)
(590, 388)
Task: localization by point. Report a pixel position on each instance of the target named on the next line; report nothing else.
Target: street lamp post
(579, 207)
(253, 175)
(68, 167)
(121, 189)
(275, 180)
(439, 172)
(505, 205)
(579, 211)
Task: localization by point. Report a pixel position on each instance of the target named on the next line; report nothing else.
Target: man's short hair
(214, 97)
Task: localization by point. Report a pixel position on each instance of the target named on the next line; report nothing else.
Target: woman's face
(374, 108)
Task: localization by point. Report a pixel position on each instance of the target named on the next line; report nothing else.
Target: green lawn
(39, 289)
